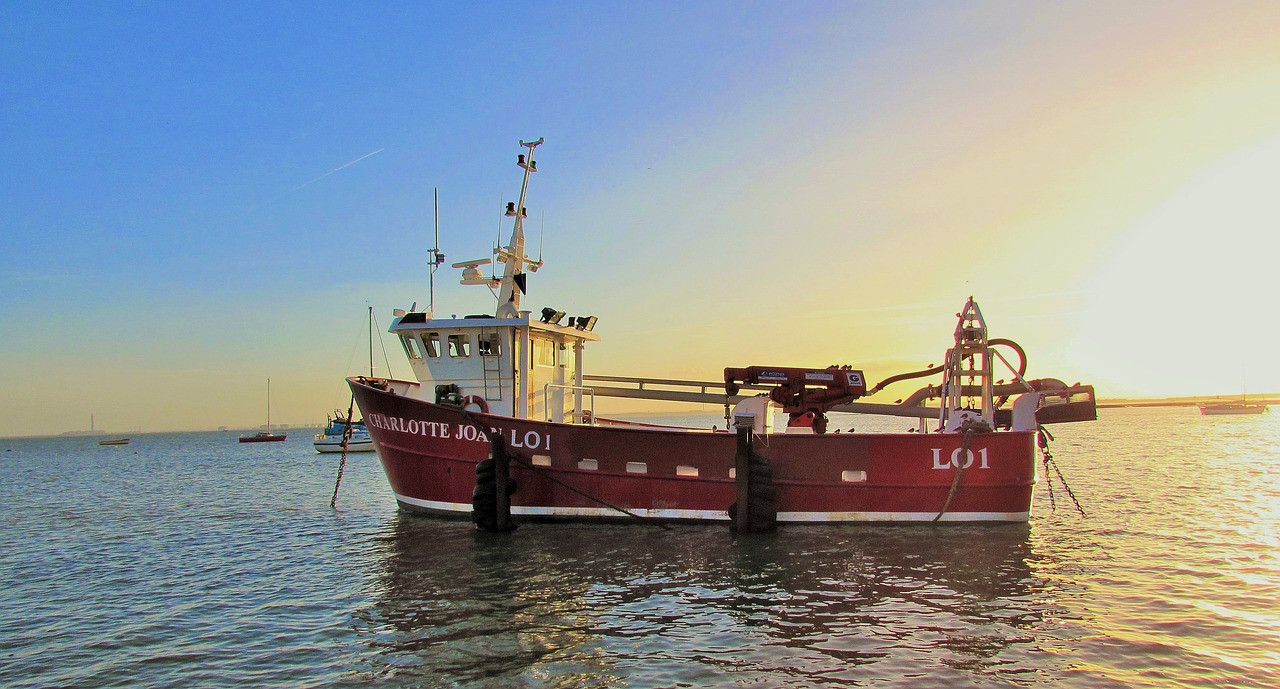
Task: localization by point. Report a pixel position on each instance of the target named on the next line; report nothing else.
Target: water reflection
(604, 605)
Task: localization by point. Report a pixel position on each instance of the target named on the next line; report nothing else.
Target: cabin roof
(420, 321)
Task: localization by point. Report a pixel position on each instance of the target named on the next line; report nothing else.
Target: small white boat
(330, 440)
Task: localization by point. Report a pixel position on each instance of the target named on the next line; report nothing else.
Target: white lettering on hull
(954, 460)
(533, 440)
(536, 440)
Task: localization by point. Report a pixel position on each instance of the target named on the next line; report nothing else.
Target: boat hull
(1232, 409)
(262, 438)
(583, 472)
(331, 444)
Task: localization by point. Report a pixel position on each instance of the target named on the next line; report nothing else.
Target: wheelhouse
(521, 366)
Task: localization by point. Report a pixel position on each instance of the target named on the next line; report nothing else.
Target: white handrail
(546, 397)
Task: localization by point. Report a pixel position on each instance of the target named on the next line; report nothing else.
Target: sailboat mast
(268, 405)
(371, 341)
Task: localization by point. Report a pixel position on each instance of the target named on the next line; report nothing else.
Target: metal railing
(698, 391)
(577, 401)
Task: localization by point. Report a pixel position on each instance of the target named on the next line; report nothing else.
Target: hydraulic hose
(1017, 348)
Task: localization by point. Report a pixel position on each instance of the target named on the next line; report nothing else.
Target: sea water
(190, 560)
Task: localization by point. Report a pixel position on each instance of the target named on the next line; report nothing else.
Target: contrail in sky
(336, 169)
(254, 208)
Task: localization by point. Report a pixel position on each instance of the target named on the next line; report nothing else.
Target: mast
(268, 406)
(512, 284)
(969, 359)
(371, 337)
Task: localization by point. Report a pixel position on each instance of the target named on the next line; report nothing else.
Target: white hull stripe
(328, 446)
(721, 515)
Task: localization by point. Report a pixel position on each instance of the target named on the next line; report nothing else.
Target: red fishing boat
(503, 400)
(264, 437)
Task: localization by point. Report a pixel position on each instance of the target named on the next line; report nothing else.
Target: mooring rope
(968, 427)
(346, 440)
(520, 460)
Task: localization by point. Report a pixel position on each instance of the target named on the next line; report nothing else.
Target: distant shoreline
(91, 435)
(1117, 403)
(1185, 401)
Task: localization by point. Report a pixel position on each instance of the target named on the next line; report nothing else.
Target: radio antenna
(497, 240)
(542, 232)
(435, 258)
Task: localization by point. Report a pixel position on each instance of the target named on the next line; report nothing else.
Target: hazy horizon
(675, 409)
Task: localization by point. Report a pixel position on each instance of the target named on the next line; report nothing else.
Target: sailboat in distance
(1233, 407)
(265, 436)
(1224, 408)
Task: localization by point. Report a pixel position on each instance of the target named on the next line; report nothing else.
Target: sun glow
(1184, 302)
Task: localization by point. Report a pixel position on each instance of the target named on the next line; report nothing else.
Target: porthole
(853, 476)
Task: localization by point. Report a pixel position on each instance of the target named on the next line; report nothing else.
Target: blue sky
(201, 195)
(177, 152)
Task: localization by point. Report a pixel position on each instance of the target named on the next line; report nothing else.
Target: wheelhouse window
(459, 346)
(431, 345)
(410, 346)
(544, 353)
(488, 345)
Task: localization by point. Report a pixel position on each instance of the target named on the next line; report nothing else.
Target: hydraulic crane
(806, 394)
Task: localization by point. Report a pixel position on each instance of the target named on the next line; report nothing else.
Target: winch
(806, 394)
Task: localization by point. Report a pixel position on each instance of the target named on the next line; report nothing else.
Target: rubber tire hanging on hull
(484, 498)
(762, 512)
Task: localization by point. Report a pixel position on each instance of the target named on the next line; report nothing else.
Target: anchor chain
(346, 440)
(1042, 439)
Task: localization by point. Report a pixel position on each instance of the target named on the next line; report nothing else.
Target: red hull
(262, 438)
(429, 453)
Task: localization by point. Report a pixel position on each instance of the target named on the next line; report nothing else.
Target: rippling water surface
(192, 560)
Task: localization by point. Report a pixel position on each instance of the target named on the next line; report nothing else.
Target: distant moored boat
(265, 436)
(1232, 408)
(117, 441)
(333, 438)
